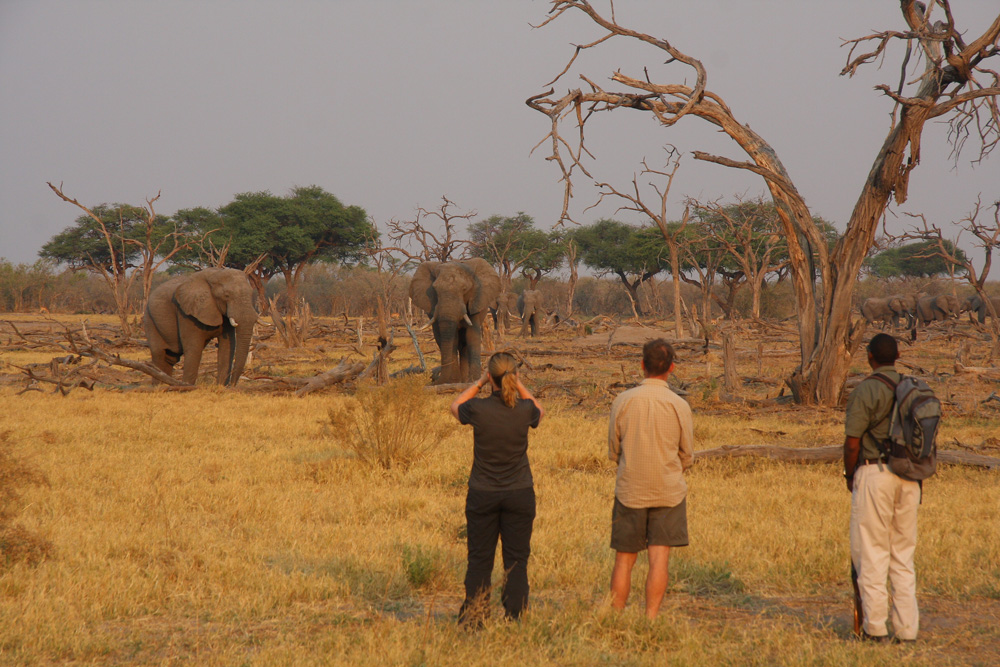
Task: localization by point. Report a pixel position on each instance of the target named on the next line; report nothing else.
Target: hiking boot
(877, 639)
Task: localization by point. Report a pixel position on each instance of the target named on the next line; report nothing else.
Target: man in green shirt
(883, 505)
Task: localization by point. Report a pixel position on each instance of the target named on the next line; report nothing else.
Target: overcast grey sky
(391, 105)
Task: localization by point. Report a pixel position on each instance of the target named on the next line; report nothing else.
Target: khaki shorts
(633, 529)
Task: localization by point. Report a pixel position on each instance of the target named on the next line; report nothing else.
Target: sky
(392, 105)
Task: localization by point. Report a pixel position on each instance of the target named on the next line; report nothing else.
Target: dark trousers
(507, 515)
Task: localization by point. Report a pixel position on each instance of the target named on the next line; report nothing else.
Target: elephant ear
(487, 285)
(422, 286)
(194, 297)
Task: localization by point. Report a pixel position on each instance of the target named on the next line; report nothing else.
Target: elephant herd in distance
(922, 309)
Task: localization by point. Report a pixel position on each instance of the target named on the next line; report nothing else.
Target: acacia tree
(514, 244)
(268, 235)
(634, 254)
(954, 84)
(920, 259)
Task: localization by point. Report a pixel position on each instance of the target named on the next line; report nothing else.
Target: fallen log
(339, 373)
(987, 372)
(832, 454)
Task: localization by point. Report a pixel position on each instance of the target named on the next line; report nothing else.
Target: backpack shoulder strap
(887, 381)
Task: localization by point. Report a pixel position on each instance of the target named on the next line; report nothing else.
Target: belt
(866, 462)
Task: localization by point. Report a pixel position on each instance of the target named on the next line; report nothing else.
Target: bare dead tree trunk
(827, 334)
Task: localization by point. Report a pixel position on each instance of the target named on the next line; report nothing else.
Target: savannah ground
(237, 527)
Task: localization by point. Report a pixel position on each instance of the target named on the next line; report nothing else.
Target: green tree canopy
(634, 254)
(921, 259)
(616, 247)
(514, 244)
(284, 234)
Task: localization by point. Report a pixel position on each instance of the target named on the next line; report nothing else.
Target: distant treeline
(333, 290)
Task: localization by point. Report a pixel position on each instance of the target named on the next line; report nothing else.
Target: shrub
(392, 426)
(422, 565)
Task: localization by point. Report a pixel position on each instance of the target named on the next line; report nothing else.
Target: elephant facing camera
(186, 312)
(457, 297)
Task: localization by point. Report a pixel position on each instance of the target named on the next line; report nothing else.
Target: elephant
(877, 308)
(187, 311)
(934, 308)
(531, 306)
(457, 296)
(506, 304)
(976, 304)
(905, 306)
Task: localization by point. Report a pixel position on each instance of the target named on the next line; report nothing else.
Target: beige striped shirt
(650, 436)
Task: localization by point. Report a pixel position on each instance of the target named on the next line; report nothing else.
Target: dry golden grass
(234, 527)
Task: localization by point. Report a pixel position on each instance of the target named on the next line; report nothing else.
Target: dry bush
(17, 544)
(392, 426)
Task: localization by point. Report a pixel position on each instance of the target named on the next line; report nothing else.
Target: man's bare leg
(621, 578)
(657, 579)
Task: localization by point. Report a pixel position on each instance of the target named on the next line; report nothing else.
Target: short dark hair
(883, 348)
(657, 356)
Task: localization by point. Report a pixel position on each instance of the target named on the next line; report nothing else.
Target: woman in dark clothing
(501, 498)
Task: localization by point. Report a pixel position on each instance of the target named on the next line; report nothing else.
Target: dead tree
(671, 233)
(750, 237)
(443, 245)
(954, 83)
(153, 245)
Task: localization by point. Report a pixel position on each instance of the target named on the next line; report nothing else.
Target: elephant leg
(192, 361)
(534, 325)
(164, 360)
(472, 363)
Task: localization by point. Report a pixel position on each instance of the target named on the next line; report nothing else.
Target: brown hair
(503, 369)
(657, 355)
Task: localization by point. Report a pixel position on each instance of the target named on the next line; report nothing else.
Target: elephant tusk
(431, 321)
(467, 320)
(233, 322)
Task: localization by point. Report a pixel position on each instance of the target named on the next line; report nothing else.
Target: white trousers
(883, 540)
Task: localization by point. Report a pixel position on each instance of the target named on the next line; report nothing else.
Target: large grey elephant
(937, 308)
(530, 305)
(187, 311)
(457, 296)
(506, 304)
(976, 304)
(877, 309)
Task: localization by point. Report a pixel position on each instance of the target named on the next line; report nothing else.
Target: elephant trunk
(243, 320)
(448, 343)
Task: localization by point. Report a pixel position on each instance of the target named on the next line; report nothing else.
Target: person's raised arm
(523, 392)
(469, 393)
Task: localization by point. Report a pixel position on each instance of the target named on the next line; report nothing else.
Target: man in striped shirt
(650, 437)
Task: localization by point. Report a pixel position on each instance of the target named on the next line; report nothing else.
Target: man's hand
(852, 450)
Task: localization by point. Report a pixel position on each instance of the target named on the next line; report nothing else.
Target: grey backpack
(910, 449)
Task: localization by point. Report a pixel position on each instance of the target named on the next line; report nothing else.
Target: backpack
(910, 449)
